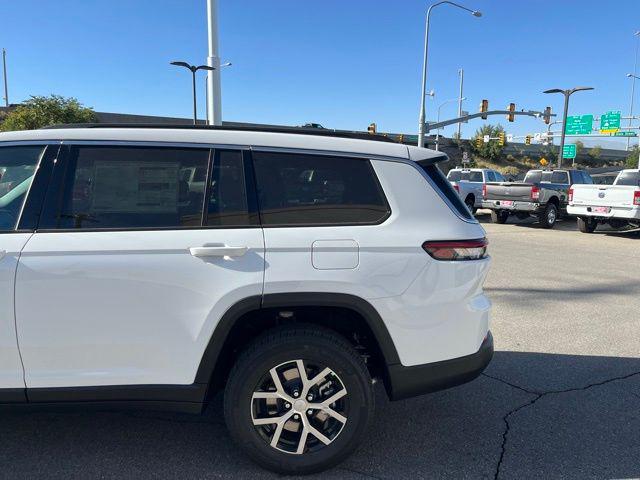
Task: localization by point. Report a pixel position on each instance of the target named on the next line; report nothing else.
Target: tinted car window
(560, 177)
(228, 199)
(454, 175)
(133, 187)
(587, 178)
(475, 177)
(298, 189)
(629, 178)
(444, 187)
(534, 176)
(499, 177)
(490, 177)
(17, 169)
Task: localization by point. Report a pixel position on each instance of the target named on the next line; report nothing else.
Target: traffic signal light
(511, 108)
(484, 107)
(371, 128)
(547, 115)
(401, 138)
(501, 137)
(479, 142)
(527, 140)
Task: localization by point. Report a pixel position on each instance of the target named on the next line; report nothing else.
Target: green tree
(491, 150)
(632, 158)
(40, 111)
(595, 152)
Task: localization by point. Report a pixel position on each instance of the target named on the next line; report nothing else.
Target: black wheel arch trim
(275, 300)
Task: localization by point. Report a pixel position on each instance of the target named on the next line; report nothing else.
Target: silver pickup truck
(469, 183)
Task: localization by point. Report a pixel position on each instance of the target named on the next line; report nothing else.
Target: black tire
(499, 216)
(470, 202)
(587, 225)
(548, 216)
(315, 347)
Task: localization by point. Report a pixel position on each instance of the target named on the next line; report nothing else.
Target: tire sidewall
(250, 372)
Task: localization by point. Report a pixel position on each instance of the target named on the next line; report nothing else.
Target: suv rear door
(132, 267)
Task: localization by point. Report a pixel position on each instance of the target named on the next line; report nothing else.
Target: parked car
(469, 182)
(617, 204)
(543, 194)
(314, 264)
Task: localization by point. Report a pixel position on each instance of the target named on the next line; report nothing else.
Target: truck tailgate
(518, 192)
(603, 195)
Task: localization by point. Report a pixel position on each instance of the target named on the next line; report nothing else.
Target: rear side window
(490, 177)
(133, 187)
(442, 185)
(560, 177)
(227, 204)
(629, 178)
(299, 189)
(533, 176)
(498, 176)
(17, 169)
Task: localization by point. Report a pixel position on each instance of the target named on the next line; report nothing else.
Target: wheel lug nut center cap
(300, 405)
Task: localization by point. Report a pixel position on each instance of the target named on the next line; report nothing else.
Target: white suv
(303, 267)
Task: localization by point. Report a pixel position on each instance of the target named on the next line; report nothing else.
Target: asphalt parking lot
(561, 398)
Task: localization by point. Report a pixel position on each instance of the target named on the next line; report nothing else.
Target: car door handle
(218, 251)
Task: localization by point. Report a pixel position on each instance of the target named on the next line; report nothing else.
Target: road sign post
(610, 122)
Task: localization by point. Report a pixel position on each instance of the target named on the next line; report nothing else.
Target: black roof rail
(323, 132)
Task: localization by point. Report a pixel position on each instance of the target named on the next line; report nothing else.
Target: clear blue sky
(336, 62)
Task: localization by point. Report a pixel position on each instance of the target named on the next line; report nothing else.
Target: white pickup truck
(617, 204)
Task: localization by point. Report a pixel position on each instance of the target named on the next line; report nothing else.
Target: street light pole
(423, 90)
(439, 107)
(4, 69)
(633, 83)
(567, 94)
(193, 69)
(214, 91)
(460, 98)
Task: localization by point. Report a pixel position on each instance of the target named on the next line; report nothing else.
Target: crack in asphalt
(538, 396)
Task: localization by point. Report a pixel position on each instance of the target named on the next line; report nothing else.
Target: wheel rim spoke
(335, 415)
(319, 435)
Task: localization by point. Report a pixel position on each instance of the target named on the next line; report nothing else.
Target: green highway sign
(569, 151)
(625, 133)
(610, 122)
(579, 125)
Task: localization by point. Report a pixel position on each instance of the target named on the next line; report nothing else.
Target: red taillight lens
(457, 250)
(456, 188)
(636, 197)
(570, 195)
(535, 193)
(484, 190)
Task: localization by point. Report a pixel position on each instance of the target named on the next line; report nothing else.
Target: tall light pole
(460, 99)
(193, 69)
(567, 94)
(633, 83)
(423, 90)
(4, 69)
(634, 77)
(439, 107)
(214, 95)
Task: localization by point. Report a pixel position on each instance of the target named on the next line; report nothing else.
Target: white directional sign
(486, 139)
(465, 157)
(537, 137)
(465, 114)
(509, 137)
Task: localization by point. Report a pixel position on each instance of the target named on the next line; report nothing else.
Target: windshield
(17, 167)
(464, 176)
(629, 178)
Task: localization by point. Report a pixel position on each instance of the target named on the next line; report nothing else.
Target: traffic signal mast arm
(436, 125)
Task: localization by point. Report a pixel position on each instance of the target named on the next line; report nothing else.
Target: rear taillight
(484, 191)
(458, 250)
(636, 197)
(570, 195)
(535, 193)
(456, 188)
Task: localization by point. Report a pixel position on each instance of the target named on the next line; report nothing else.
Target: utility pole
(461, 73)
(4, 69)
(214, 100)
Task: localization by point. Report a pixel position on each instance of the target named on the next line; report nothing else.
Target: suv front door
(132, 266)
